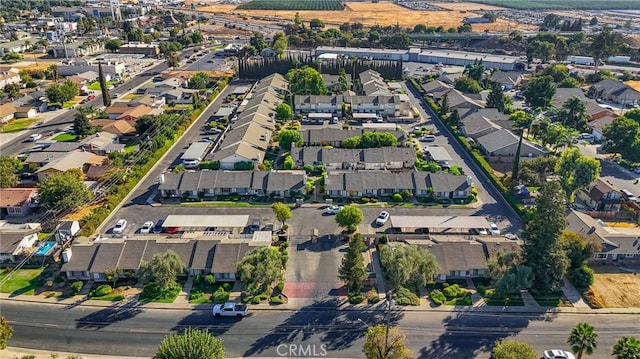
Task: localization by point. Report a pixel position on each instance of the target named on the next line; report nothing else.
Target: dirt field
(617, 289)
(28, 64)
(371, 14)
(466, 6)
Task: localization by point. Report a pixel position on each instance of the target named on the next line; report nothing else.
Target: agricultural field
(565, 4)
(370, 14)
(292, 5)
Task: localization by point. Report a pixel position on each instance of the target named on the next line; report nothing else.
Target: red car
(91, 97)
(173, 230)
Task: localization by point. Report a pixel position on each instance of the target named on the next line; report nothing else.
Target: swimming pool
(45, 248)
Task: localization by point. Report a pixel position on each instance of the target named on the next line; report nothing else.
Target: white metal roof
(319, 115)
(439, 222)
(200, 221)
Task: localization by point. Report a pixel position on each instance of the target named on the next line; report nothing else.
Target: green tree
(621, 135)
(81, 123)
(475, 70)
(575, 113)
(289, 136)
(306, 81)
(9, 167)
(539, 91)
(297, 19)
(542, 250)
(282, 212)
(12, 57)
(605, 44)
(576, 171)
(343, 79)
(496, 98)
(522, 122)
(12, 90)
(408, 266)
(6, 332)
(583, 339)
(106, 98)
(444, 105)
(280, 44)
(258, 42)
(349, 217)
(63, 191)
(172, 59)
(352, 269)
(162, 269)
(467, 84)
(316, 23)
(558, 71)
(383, 342)
(627, 348)
(507, 272)
(113, 45)
(260, 268)
(512, 349)
(284, 112)
(199, 80)
(569, 82)
(192, 344)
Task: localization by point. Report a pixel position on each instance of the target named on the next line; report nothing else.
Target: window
(600, 256)
(629, 255)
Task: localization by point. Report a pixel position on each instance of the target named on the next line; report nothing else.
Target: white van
(191, 164)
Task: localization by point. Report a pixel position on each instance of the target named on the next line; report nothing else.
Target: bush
(209, 279)
(76, 287)
(255, 300)
(437, 297)
(482, 290)
(397, 197)
(365, 200)
(276, 300)
(308, 168)
(220, 295)
(452, 291)
(280, 286)
(195, 294)
(246, 299)
(406, 297)
(198, 279)
(101, 291)
(372, 297)
(582, 277)
(356, 298)
(226, 286)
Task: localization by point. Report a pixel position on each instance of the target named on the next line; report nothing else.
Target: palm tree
(583, 339)
(575, 112)
(627, 348)
(522, 121)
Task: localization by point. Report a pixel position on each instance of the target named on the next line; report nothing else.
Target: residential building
(384, 105)
(614, 91)
(17, 240)
(456, 258)
(436, 89)
(334, 84)
(24, 112)
(503, 143)
(318, 103)
(76, 49)
(7, 112)
(383, 158)
(11, 76)
(74, 159)
(602, 196)
(508, 80)
(77, 66)
(116, 127)
(152, 50)
(17, 202)
(334, 136)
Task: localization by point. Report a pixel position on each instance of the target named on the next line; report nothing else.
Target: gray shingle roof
(227, 256)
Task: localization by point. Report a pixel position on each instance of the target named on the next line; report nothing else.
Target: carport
(438, 224)
(228, 223)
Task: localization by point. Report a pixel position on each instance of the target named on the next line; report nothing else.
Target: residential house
(75, 159)
(442, 185)
(11, 76)
(476, 125)
(177, 96)
(462, 102)
(134, 113)
(596, 127)
(613, 244)
(259, 115)
(563, 94)
(508, 80)
(601, 196)
(437, 89)
(17, 202)
(614, 91)
(384, 105)
(35, 99)
(226, 259)
(327, 136)
(372, 84)
(149, 100)
(238, 152)
(449, 78)
(25, 112)
(456, 258)
(318, 104)
(102, 143)
(383, 158)
(17, 240)
(41, 158)
(122, 128)
(7, 112)
(76, 49)
(334, 84)
(503, 143)
(275, 81)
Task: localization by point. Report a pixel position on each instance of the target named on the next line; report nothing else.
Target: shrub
(365, 200)
(406, 297)
(246, 299)
(76, 287)
(220, 296)
(482, 290)
(356, 298)
(451, 291)
(280, 286)
(308, 168)
(582, 277)
(198, 279)
(373, 297)
(437, 297)
(195, 294)
(209, 279)
(255, 300)
(397, 197)
(226, 286)
(101, 291)
(277, 300)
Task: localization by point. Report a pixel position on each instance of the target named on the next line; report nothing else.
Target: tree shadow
(470, 333)
(104, 317)
(323, 244)
(202, 317)
(321, 325)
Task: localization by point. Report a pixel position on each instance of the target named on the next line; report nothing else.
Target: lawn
(17, 125)
(96, 85)
(549, 299)
(66, 137)
(131, 96)
(130, 148)
(22, 281)
(493, 300)
(113, 297)
(68, 104)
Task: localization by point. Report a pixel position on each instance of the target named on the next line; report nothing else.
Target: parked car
(34, 137)
(91, 97)
(558, 354)
(146, 227)
(382, 218)
(212, 131)
(158, 226)
(333, 209)
(120, 225)
(428, 138)
(230, 309)
(255, 225)
(493, 228)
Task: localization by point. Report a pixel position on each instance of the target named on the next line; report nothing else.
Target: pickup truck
(230, 309)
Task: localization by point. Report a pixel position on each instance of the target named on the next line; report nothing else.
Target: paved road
(492, 202)
(136, 330)
(610, 171)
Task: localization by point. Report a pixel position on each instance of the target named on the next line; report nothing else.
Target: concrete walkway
(183, 296)
(572, 295)
(529, 302)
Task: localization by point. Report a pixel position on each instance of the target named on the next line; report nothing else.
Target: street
(134, 330)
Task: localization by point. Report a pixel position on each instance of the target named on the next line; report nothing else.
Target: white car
(428, 138)
(120, 225)
(493, 228)
(558, 354)
(146, 227)
(333, 209)
(382, 218)
(34, 137)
